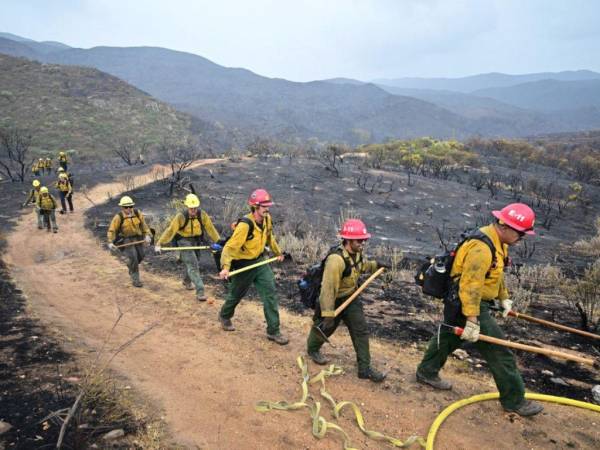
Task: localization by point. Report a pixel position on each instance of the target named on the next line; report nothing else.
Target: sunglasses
(360, 241)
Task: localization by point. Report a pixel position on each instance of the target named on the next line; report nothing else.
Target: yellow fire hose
(320, 426)
(493, 395)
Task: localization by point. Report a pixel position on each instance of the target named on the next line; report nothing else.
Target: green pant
(500, 360)
(134, 255)
(190, 260)
(264, 282)
(354, 318)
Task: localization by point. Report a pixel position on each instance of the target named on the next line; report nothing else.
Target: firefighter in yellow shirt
(478, 274)
(62, 160)
(245, 247)
(189, 229)
(33, 198)
(343, 267)
(66, 192)
(46, 203)
(129, 226)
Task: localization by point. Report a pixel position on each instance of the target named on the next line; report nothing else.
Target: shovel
(548, 323)
(529, 348)
(129, 244)
(349, 300)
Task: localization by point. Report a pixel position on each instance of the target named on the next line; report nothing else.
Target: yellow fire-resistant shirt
(33, 196)
(46, 202)
(64, 186)
(238, 247)
(129, 226)
(334, 286)
(192, 229)
(62, 158)
(472, 263)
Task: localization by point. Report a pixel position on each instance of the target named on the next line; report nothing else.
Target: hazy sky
(315, 39)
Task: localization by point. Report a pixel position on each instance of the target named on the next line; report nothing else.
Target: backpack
(434, 276)
(120, 214)
(187, 218)
(310, 283)
(223, 241)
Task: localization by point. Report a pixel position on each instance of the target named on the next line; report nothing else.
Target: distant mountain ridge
(474, 83)
(335, 110)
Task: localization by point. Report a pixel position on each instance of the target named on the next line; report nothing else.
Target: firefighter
(66, 192)
(189, 229)
(62, 160)
(46, 203)
(128, 226)
(343, 268)
(478, 281)
(33, 198)
(245, 247)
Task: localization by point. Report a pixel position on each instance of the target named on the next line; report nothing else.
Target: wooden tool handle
(362, 287)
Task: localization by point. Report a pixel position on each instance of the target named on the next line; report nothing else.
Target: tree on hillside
(14, 151)
(129, 150)
(179, 156)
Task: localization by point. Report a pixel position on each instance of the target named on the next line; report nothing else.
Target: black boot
(372, 374)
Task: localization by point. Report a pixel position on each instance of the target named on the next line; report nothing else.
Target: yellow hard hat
(43, 190)
(191, 201)
(60, 169)
(126, 201)
(62, 176)
(41, 159)
(36, 183)
(61, 153)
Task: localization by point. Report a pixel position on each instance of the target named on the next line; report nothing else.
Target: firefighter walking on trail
(129, 226)
(34, 194)
(477, 276)
(245, 247)
(66, 192)
(46, 203)
(62, 160)
(343, 267)
(189, 229)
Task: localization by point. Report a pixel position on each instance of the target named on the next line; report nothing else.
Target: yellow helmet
(36, 183)
(126, 201)
(62, 176)
(191, 201)
(61, 153)
(41, 159)
(43, 190)
(60, 169)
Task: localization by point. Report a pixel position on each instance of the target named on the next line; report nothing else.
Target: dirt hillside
(207, 381)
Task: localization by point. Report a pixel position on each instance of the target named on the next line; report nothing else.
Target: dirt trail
(207, 381)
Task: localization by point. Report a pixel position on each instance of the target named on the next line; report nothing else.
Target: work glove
(327, 325)
(148, 239)
(470, 332)
(383, 264)
(112, 247)
(506, 307)
(216, 247)
(157, 249)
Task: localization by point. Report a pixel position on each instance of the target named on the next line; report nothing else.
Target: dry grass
(530, 282)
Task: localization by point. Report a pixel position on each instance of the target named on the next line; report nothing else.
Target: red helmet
(518, 216)
(260, 197)
(354, 229)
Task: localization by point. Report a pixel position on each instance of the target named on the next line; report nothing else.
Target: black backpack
(434, 276)
(310, 283)
(223, 241)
